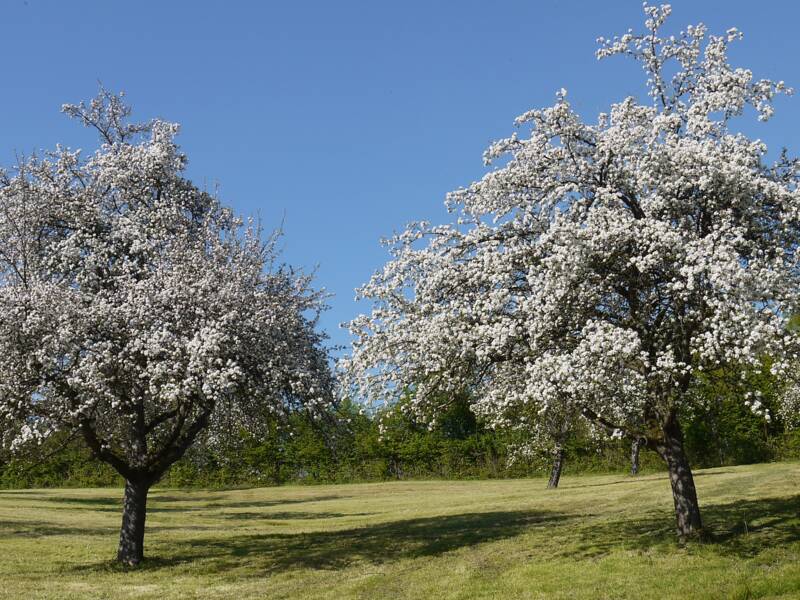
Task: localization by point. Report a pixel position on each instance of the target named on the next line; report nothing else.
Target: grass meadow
(594, 537)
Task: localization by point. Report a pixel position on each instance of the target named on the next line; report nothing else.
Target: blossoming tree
(602, 266)
(138, 312)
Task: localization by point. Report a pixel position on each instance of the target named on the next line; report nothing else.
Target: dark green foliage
(61, 462)
(788, 446)
(350, 447)
(722, 430)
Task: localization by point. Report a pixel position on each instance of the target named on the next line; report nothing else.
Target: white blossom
(140, 311)
(602, 266)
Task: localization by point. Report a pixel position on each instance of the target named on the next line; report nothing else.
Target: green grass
(594, 537)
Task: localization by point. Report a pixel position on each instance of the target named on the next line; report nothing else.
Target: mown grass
(594, 537)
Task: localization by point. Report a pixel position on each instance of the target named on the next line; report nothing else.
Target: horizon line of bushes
(350, 448)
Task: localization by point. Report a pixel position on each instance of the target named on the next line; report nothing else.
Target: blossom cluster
(600, 267)
(137, 309)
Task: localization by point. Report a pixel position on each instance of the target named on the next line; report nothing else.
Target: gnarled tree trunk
(636, 446)
(558, 465)
(131, 535)
(684, 494)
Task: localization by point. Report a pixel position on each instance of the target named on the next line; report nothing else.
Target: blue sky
(345, 119)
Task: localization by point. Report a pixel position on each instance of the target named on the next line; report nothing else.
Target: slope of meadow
(594, 537)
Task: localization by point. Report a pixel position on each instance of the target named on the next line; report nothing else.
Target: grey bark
(143, 470)
(558, 466)
(671, 450)
(636, 446)
(684, 494)
(134, 511)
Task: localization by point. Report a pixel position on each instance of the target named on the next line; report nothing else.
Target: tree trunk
(635, 447)
(684, 494)
(131, 535)
(558, 465)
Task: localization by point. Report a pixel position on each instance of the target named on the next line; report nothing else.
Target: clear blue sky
(349, 118)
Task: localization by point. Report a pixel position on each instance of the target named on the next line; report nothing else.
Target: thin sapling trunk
(636, 446)
(558, 466)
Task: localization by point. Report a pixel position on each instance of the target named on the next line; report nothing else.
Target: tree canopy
(602, 268)
(138, 311)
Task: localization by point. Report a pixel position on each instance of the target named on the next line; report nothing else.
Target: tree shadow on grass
(221, 501)
(18, 529)
(628, 479)
(707, 473)
(743, 529)
(158, 503)
(288, 516)
(375, 544)
(39, 497)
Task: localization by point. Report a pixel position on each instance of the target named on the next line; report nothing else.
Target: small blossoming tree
(602, 267)
(138, 312)
(545, 430)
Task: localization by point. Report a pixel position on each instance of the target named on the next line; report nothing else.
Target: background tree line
(388, 444)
